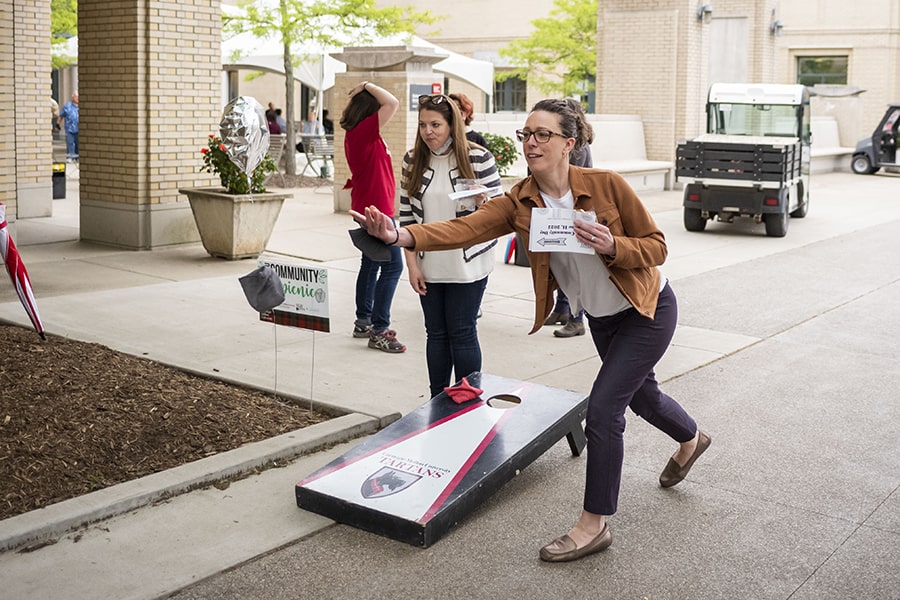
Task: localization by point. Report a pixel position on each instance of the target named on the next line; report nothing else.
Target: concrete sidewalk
(786, 353)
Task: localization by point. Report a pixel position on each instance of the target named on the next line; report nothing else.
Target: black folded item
(263, 288)
(372, 247)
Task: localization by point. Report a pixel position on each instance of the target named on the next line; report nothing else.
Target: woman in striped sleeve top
(450, 283)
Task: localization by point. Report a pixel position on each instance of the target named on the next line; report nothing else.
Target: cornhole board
(419, 476)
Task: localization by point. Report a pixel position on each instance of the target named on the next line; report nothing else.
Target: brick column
(653, 60)
(646, 65)
(150, 93)
(26, 146)
(396, 69)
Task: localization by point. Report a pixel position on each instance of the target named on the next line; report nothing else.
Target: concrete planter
(234, 226)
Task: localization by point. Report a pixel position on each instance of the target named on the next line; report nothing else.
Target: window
(822, 69)
(510, 95)
(753, 119)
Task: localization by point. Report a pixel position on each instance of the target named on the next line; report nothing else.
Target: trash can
(59, 180)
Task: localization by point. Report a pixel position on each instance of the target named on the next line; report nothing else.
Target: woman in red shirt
(372, 184)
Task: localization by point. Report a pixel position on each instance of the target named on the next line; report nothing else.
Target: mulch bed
(76, 417)
(296, 181)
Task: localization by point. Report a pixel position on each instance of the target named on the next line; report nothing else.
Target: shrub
(216, 161)
(503, 149)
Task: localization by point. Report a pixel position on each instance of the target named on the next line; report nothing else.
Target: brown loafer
(674, 473)
(563, 549)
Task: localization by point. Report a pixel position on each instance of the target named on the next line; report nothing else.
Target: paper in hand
(491, 192)
(553, 230)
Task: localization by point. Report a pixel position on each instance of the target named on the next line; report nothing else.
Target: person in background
(580, 157)
(451, 283)
(274, 128)
(279, 118)
(311, 127)
(630, 306)
(468, 113)
(68, 119)
(54, 115)
(327, 123)
(370, 108)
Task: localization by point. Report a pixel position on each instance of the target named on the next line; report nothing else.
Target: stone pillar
(406, 72)
(26, 146)
(150, 94)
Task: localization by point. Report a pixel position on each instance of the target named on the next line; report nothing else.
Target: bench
(826, 152)
(618, 146)
(319, 153)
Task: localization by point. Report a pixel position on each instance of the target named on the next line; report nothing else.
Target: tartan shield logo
(387, 482)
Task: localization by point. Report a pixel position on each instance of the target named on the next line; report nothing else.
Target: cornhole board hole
(419, 476)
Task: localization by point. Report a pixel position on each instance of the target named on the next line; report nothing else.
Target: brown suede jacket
(640, 245)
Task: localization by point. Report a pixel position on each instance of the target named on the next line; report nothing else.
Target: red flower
(204, 150)
(222, 147)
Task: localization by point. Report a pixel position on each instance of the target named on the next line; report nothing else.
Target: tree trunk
(290, 160)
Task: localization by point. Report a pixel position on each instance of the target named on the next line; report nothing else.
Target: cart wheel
(777, 224)
(861, 165)
(801, 210)
(693, 221)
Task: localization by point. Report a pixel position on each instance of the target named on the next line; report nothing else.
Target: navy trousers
(451, 313)
(629, 345)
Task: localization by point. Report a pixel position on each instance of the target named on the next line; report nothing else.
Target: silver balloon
(245, 133)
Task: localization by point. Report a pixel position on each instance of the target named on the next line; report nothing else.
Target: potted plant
(503, 149)
(236, 220)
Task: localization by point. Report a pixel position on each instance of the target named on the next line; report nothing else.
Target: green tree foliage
(318, 23)
(561, 54)
(63, 25)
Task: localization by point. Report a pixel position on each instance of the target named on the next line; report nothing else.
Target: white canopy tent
(317, 70)
(246, 51)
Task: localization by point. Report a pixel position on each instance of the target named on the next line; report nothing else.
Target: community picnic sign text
(305, 297)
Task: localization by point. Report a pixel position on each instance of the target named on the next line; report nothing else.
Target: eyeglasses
(433, 100)
(541, 136)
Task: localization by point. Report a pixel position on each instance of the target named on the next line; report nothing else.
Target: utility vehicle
(753, 160)
(879, 149)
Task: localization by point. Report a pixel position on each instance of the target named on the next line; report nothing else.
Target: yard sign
(305, 297)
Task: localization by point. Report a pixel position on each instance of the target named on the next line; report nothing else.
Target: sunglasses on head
(434, 100)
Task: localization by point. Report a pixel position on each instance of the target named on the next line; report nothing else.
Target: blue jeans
(629, 345)
(71, 144)
(562, 306)
(375, 292)
(451, 312)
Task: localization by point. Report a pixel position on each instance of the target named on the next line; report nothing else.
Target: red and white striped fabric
(18, 274)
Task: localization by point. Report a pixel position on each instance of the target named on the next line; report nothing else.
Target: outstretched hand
(377, 223)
